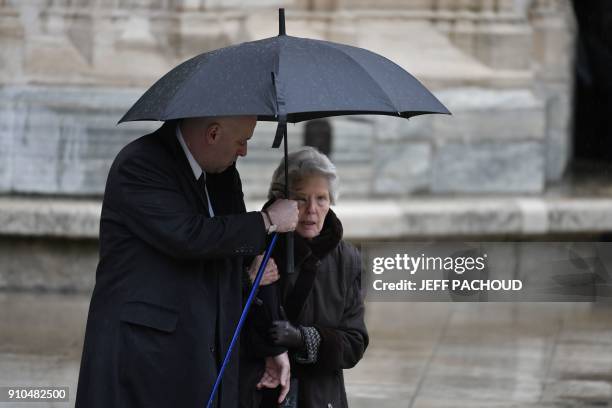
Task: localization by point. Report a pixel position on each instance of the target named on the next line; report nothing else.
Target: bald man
(174, 234)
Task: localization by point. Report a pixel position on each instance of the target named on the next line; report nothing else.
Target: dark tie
(204, 192)
(202, 183)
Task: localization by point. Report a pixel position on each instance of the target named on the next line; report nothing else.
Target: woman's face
(312, 196)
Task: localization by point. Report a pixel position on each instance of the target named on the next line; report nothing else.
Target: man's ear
(213, 132)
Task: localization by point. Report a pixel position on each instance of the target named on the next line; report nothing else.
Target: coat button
(212, 349)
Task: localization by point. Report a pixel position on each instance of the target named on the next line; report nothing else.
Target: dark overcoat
(325, 293)
(168, 284)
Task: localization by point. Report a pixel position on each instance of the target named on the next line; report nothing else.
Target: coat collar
(168, 137)
(195, 167)
(307, 257)
(167, 134)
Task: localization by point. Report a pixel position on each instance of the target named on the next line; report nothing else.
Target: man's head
(216, 143)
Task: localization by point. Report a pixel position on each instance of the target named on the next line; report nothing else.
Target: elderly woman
(321, 306)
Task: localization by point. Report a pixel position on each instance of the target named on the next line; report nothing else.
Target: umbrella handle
(243, 316)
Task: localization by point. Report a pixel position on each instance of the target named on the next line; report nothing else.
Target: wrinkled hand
(277, 372)
(284, 214)
(283, 333)
(270, 274)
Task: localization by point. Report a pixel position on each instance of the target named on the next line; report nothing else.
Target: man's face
(229, 142)
(235, 134)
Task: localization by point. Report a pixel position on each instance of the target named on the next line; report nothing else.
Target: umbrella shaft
(289, 235)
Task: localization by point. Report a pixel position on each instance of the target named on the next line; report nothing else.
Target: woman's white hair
(303, 163)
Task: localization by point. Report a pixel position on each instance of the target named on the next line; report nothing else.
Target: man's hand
(283, 333)
(284, 214)
(278, 372)
(270, 274)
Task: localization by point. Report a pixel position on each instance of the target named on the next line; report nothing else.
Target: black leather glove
(283, 333)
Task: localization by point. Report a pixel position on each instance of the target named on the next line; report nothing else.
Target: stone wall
(70, 68)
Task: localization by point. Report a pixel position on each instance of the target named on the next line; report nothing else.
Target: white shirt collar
(195, 167)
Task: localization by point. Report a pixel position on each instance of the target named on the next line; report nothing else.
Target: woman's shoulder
(350, 257)
(347, 249)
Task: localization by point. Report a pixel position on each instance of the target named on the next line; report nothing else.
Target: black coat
(168, 285)
(327, 296)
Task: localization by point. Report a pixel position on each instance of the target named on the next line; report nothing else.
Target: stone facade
(70, 68)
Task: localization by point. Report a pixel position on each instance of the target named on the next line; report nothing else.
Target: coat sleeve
(264, 310)
(154, 208)
(343, 346)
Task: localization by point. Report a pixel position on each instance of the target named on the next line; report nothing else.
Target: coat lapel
(225, 191)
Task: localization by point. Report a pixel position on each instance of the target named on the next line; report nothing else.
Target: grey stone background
(71, 68)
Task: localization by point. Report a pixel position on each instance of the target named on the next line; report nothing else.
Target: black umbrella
(284, 79)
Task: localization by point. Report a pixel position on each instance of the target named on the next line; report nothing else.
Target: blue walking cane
(249, 301)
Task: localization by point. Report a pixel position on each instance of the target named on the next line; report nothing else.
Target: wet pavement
(41, 336)
(485, 355)
(422, 355)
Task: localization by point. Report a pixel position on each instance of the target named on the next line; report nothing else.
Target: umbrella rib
(395, 108)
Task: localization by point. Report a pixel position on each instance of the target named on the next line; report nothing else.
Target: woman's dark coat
(327, 296)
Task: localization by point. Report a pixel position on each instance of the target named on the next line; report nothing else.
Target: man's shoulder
(153, 146)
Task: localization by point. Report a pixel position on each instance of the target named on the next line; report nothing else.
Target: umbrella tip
(281, 21)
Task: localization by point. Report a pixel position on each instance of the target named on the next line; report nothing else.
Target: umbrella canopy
(298, 78)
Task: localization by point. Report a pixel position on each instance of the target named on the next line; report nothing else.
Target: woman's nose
(311, 206)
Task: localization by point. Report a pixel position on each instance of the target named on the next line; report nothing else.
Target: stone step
(418, 216)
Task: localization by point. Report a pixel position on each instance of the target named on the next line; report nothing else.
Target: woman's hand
(283, 333)
(270, 273)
